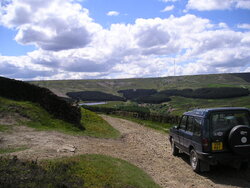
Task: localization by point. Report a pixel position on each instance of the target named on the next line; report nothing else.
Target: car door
(188, 134)
(182, 129)
(197, 122)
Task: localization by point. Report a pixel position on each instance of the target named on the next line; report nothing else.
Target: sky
(106, 39)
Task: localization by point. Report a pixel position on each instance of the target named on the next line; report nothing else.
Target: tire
(194, 161)
(174, 149)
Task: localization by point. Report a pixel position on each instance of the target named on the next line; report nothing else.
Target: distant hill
(112, 86)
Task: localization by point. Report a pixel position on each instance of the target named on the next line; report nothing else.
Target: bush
(18, 90)
(17, 173)
(94, 96)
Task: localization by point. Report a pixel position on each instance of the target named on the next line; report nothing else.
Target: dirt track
(143, 147)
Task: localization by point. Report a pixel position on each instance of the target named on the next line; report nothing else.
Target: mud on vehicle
(212, 136)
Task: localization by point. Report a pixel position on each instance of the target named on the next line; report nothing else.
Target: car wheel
(174, 149)
(194, 161)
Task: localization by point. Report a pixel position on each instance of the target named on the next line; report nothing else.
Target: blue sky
(90, 39)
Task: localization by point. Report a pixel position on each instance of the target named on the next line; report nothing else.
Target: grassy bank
(96, 126)
(11, 150)
(32, 115)
(90, 171)
(182, 104)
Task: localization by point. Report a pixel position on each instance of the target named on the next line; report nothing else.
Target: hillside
(61, 87)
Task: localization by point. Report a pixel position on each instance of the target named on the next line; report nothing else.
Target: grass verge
(11, 150)
(90, 171)
(102, 171)
(4, 128)
(32, 115)
(96, 126)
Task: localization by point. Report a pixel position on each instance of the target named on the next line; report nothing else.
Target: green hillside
(61, 87)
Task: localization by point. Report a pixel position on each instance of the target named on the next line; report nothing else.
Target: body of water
(92, 103)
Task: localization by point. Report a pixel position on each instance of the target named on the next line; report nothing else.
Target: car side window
(197, 126)
(190, 124)
(183, 122)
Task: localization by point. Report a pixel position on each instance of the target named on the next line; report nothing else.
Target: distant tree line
(18, 90)
(94, 96)
(144, 96)
(133, 94)
(154, 97)
(208, 93)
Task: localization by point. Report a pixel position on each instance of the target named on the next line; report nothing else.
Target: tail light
(205, 144)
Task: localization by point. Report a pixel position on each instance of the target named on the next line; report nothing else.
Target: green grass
(182, 104)
(99, 171)
(34, 116)
(12, 150)
(96, 126)
(4, 128)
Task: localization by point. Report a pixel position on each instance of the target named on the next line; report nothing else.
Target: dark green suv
(212, 136)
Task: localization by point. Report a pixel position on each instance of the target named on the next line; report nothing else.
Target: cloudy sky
(90, 39)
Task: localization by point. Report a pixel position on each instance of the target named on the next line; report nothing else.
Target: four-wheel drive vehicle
(212, 136)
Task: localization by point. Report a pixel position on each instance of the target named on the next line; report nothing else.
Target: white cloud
(166, 1)
(113, 13)
(243, 4)
(52, 25)
(244, 26)
(207, 5)
(72, 46)
(168, 8)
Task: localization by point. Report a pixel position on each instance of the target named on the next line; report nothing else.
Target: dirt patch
(143, 147)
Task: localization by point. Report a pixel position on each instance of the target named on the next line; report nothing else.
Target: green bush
(18, 173)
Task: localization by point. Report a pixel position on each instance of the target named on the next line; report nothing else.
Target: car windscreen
(226, 120)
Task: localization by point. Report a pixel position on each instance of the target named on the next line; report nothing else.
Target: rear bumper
(216, 158)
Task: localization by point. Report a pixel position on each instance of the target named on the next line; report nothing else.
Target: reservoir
(92, 103)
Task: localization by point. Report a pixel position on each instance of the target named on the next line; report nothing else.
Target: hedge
(18, 90)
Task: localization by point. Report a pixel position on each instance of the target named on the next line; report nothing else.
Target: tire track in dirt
(146, 148)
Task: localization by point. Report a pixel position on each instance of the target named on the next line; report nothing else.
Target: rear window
(227, 120)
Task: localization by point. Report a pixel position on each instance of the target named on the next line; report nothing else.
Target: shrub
(17, 173)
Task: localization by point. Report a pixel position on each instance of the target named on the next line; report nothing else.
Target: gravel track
(144, 147)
